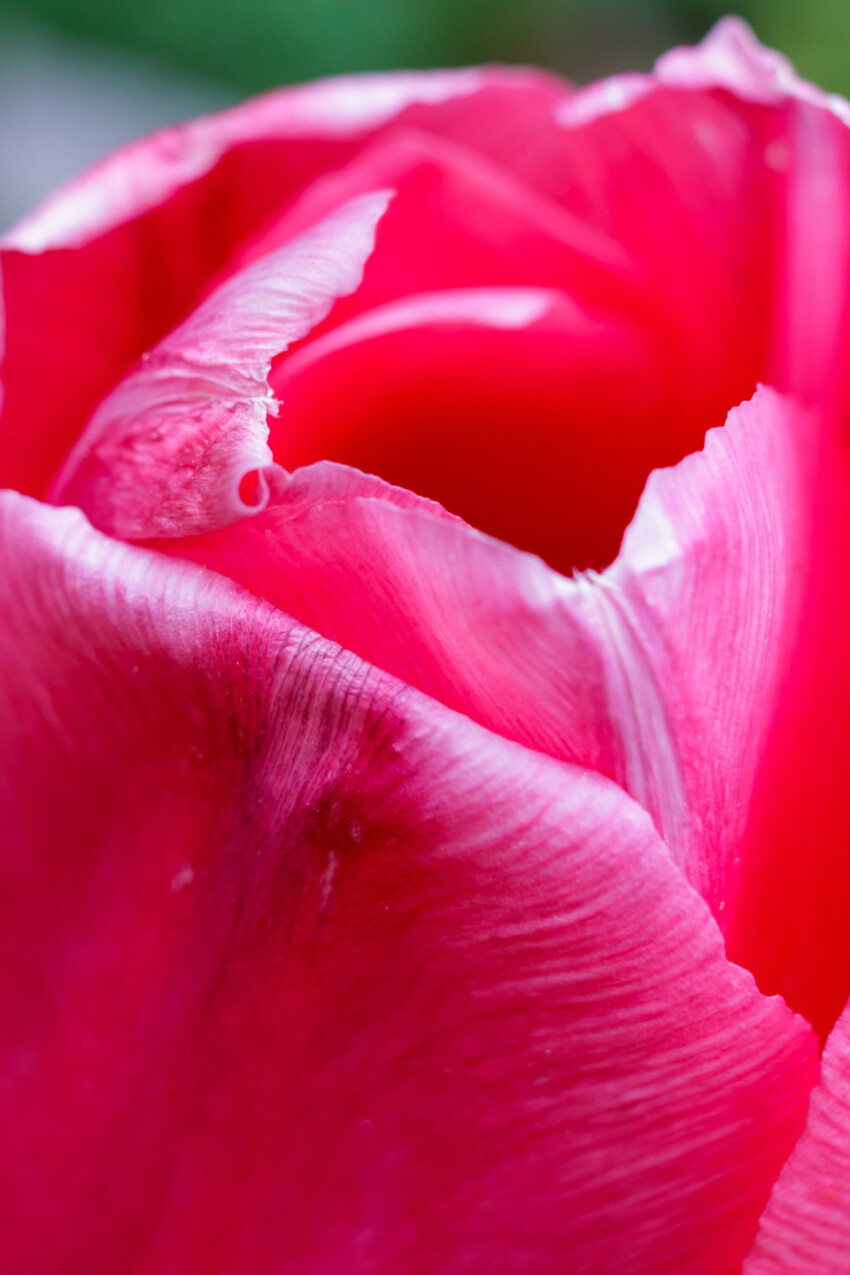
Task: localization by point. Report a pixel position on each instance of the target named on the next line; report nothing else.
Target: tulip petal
(459, 221)
(142, 175)
(788, 918)
(506, 405)
(166, 452)
(488, 630)
(663, 672)
(300, 963)
(679, 177)
(471, 221)
(704, 671)
(730, 57)
(806, 1225)
(117, 259)
(712, 171)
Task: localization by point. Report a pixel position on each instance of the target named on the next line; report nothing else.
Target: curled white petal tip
(730, 57)
(167, 451)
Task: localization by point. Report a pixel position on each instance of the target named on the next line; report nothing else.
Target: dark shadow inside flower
(542, 434)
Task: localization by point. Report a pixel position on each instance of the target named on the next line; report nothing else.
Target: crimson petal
(297, 962)
(663, 672)
(115, 260)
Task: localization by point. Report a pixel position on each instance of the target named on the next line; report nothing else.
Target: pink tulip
(393, 887)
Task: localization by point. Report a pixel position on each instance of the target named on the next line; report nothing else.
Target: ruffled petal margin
(663, 672)
(806, 1225)
(167, 451)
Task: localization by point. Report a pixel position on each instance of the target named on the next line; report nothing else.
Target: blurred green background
(78, 77)
(252, 44)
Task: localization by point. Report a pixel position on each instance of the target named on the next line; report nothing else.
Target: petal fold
(166, 452)
(120, 257)
(663, 672)
(298, 961)
(506, 405)
(806, 1225)
(743, 158)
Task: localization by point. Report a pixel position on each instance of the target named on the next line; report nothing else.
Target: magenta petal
(702, 610)
(487, 630)
(813, 151)
(712, 170)
(144, 174)
(680, 177)
(664, 672)
(506, 405)
(806, 1225)
(730, 57)
(118, 258)
(166, 452)
(299, 962)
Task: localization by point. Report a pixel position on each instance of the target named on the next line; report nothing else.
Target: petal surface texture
(806, 1225)
(659, 239)
(167, 451)
(662, 672)
(114, 262)
(319, 972)
(787, 920)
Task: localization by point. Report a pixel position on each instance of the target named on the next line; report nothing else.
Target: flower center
(538, 437)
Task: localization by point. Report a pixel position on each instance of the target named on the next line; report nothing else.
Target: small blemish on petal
(326, 880)
(182, 877)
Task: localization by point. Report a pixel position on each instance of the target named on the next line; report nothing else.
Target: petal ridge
(167, 450)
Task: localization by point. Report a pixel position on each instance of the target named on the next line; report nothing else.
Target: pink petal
(506, 405)
(299, 962)
(489, 631)
(471, 221)
(678, 177)
(144, 174)
(714, 171)
(116, 260)
(730, 57)
(702, 611)
(663, 672)
(806, 1225)
(467, 220)
(790, 915)
(166, 452)
(501, 308)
